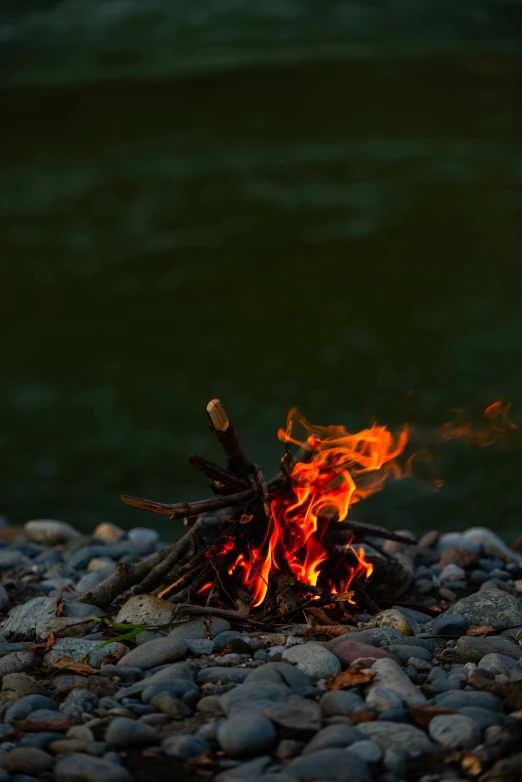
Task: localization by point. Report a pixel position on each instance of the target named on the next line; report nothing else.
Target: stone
(390, 676)
(472, 648)
(224, 637)
(396, 735)
(458, 555)
(185, 747)
(492, 546)
(73, 626)
(295, 717)
(209, 704)
(498, 664)
(200, 646)
(339, 702)
(454, 731)
(143, 535)
(29, 703)
(145, 610)
(99, 563)
(393, 619)
(91, 580)
(171, 705)
(80, 733)
(246, 734)
(179, 670)
(452, 573)
(18, 662)
(17, 685)
(108, 532)
(253, 695)
(484, 607)
(482, 717)
(76, 649)
(351, 650)
(375, 636)
(41, 740)
(123, 732)
(383, 699)
(82, 610)
(86, 768)
(458, 540)
(458, 699)
(223, 675)
(447, 625)
(245, 772)
(49, 532)
(282, 673)
(329, 764)
(25, 617)
(403, 652)
(313, 659)
(67, 746)
(154, 653)
(178, 687)
(367, 750)
(340, 735)
(27, 760)
(79, 701)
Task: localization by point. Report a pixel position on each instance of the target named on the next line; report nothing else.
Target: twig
(222, 613)
(222, 427)
(183, 509)
(154, 577)
(217, 473)
(339, 532)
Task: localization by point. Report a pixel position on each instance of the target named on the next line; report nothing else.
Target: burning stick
(182, 509)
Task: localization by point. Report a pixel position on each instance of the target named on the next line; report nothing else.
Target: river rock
(170, 705)
(403, 652)
(340, 765)
(391, 677)
(393, 619)
(485, 607)
(458, 540)
(452, 573)
(253, 696)
(454, 731)
(108, 532)
(339, 702)
(154, 653)
(79, 701)
(29, 703)
(492, 545)
(313, 659)
(49, 532)
(447, 625)
(27, 760)
(18, 662)
(282, 673)
(179, 670)
(351, 650)
(396, 735)
(123, 732)
(498, 664)
(223, 675)
(295, 717)
(483, 718)
(4, 600)
(143, 535)
(340, 735)
(458, 699)
(246, 734)
(145, 610)
(85, 768)
(25, 617)
(76, 649)
(178, 687)
(367, 750)
(16, 685)
(185, 747)
(471, 648)
(196, 629)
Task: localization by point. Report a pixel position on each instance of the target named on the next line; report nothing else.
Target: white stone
(146, 610)
(143, 535)
(391, 677)
(452, 573)
(49, 532)
(312, 658)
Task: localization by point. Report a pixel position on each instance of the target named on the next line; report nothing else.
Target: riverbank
(414, 694)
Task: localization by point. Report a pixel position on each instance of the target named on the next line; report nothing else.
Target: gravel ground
(403, 695)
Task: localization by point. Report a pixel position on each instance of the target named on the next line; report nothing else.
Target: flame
(345, 469)
(497, 426)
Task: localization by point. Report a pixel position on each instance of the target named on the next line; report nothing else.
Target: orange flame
(498, 426)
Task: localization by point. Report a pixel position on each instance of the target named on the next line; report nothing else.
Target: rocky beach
(406, 694)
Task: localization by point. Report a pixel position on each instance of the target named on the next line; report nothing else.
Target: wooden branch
(181, 582)
(123, 578)
(363, 598)
(223, 613)
(217, 473)
(303, 454)
(339, 532)
(222, 427)
(155, 576)
(181, 510)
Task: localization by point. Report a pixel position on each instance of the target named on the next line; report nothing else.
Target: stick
(182, 509)
(123, 578)
(154, 577)
(217, 473)
(339, 532)
(221, 425)
(223, 613)
(303, 454)
(363, 598)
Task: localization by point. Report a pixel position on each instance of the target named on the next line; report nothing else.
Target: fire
(345, 468)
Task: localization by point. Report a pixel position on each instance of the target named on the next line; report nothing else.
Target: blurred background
(278, 203)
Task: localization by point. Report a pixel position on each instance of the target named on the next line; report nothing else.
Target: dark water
(326, 234)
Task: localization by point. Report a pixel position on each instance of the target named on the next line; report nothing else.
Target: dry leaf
(50, 642)
(59, 606)
(343, 596)
(480, 630)
(66, 664)
(316, 616)
(112, 659)
(351, 679)
(334, 631)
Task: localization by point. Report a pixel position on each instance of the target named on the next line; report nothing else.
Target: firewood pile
(262, 550)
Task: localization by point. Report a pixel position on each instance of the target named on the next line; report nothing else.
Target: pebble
(282, 673)
(253, 695)
(339, 702)
(27, 760)
(223, 675)
(458, 699)
(340, 735)
(367, 750)
(447, 625)
(86, 768)
(143, 535)
(491, 545)
(49, 532)
(313, 659)
(108, 532)
(498, 664)
(396, 735)
(402, 652)
(394, 619)
(185, 746)
(123, 732)
(350, 650)
(40, 740)
(329, 764)
(16, 685)
(171, 705)
(79, 701)
(458, 540)
(200, 646)
(391, 677)
(486, 606)
(145, 609)
(482, 717)
(295, 717)
(246, 734)
(452, 573)
(225, 636)
(154, 653)
(471, 648)
(454, 731)
(4, 600)
(76, 650)
(29, 703)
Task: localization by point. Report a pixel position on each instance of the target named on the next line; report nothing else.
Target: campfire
(262, 550)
